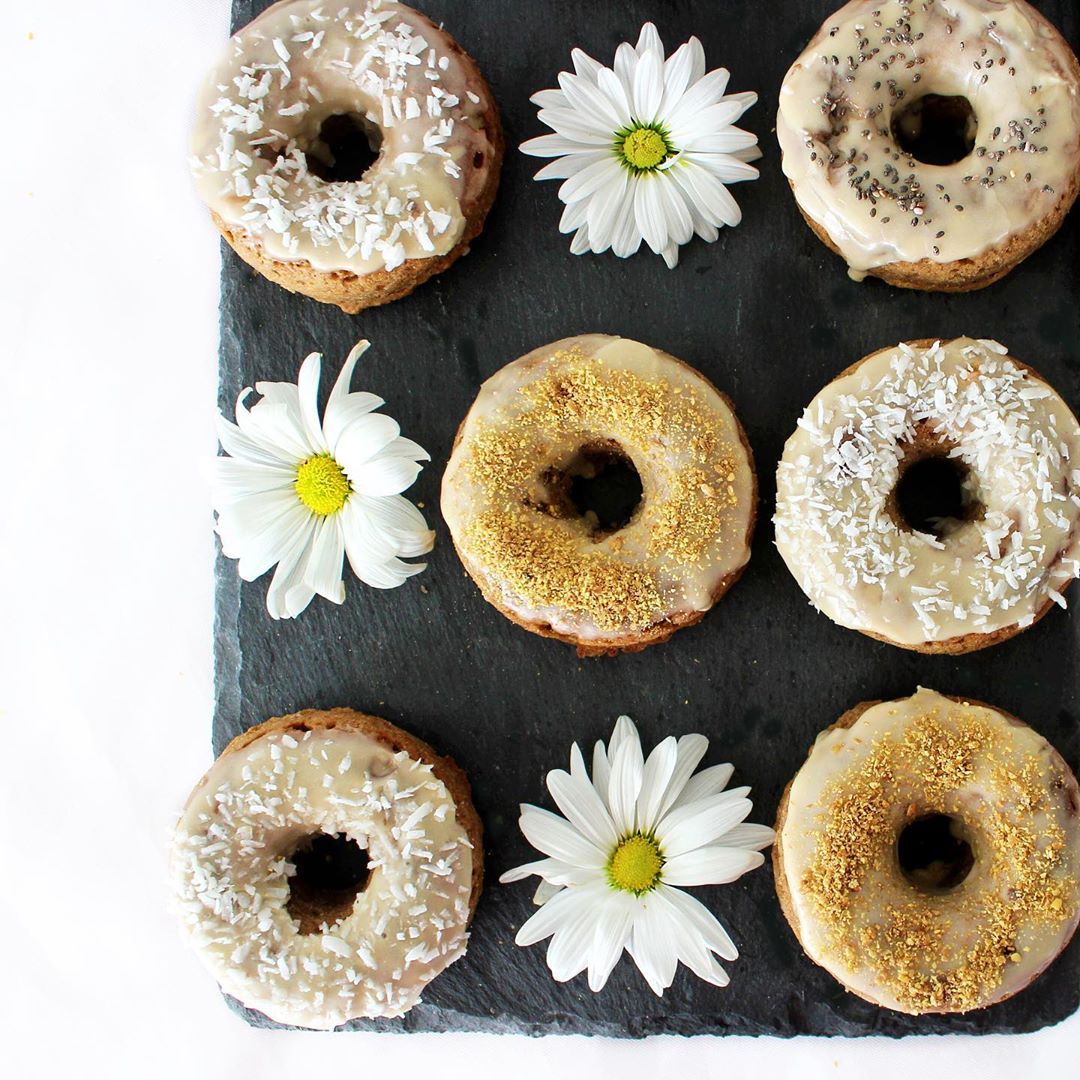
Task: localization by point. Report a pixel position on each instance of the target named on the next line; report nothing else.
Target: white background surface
(108, 296)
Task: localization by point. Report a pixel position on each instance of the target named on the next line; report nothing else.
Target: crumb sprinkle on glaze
(532, 420)
(948, 951)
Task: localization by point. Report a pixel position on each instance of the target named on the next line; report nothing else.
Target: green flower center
(635, 865)
(321, 485)
(643, 149)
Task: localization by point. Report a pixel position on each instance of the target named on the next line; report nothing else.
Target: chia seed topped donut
(933, 143)
(542, 434)
(928, 853)
(281, 135)
(931, 497)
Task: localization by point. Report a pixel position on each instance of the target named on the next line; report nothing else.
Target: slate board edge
(231, 599)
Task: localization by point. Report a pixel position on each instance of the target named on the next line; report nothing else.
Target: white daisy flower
(633, 833)
(645, 148)
(303, 492)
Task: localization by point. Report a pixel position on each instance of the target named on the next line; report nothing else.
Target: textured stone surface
(769, 316)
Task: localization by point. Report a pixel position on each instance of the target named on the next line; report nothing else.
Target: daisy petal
(747, 835)
(585, 66)
(649, 212)
(649, 41)
(678, 72)
(590, 180)
(568, 953)
(580, 129)
(708, 90)
(689, 944)
(286, 580)
(654, 784)
(238, 445)
(554, 836)
(725, 167)
(551, 870)
(699, 823)
(710, 781)
(627, 767)
(614, 922)
(258, 530)
(578, 800)
(233, 481)
(613, 87)
(705, 924)
(555, 146)
(563, 168)
(690, 749)
(548, 919)
(604, 209)
(587, 97)
(308, 394)
(648, 87)
(363, 440)
(711, 865)
(601, 772)
(383, 476)
(653, 946)
(397, 519)
(326, 554)
(545, 891)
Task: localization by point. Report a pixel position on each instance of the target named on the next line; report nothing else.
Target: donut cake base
(768, 315)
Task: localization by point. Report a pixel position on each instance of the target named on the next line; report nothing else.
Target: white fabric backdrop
(108, 295)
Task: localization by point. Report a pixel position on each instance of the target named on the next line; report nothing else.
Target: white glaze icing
(879, 205)
(860, 567)
(666, 454)
(995, 811)
(302, 61)
(231, 876)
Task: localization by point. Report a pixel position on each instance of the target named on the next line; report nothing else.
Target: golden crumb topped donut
(327, 867)
(540, 444)
(928, 854)
(933, 143)
(930, 497)
(288, 123)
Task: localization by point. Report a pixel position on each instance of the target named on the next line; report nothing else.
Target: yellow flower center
(635, 865)
(644, 149)
(321, 485)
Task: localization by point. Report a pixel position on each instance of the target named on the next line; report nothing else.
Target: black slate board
(770, 317)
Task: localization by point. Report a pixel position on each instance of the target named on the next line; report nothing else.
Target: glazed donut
(930, 497)
(927, 854)
(327, 868)
(549, 430)
(281, 138)
(933, 143)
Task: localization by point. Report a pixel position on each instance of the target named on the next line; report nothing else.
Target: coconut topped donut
(935, 144)
(931, 496)
(540, 443)
(327, 867)
(928, 853)
(302, 90)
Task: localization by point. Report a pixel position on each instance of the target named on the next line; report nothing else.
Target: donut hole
(346, 147)
(934, 852)
(331, 872)
(935, 129)
(602, 487)
(933, 494)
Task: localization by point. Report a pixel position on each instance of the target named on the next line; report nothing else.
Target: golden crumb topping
(689, 465)
(964, 767)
